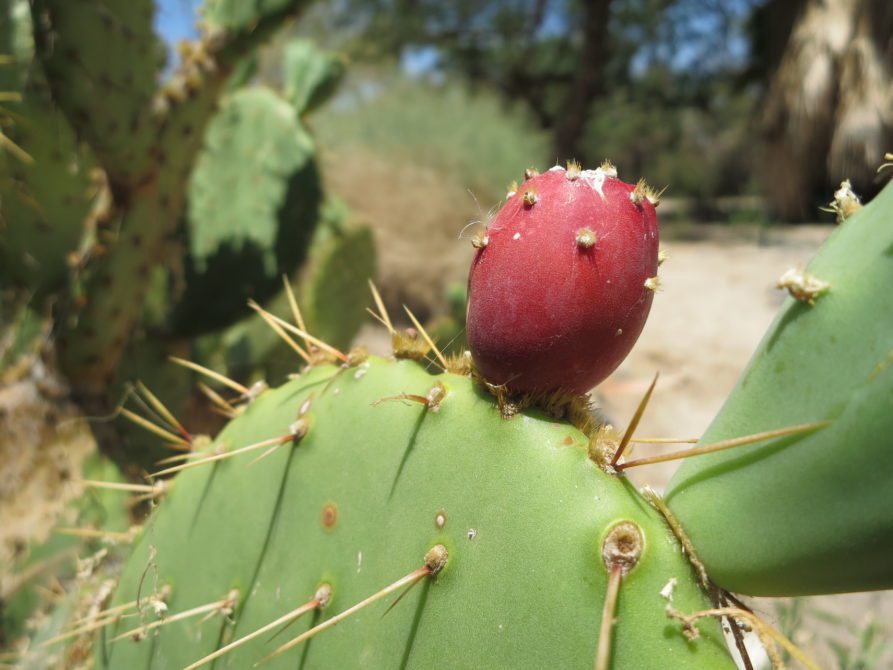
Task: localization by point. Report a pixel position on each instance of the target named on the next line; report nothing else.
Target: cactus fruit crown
(560, 291)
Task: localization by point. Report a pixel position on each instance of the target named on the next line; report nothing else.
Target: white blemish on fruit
(596, 180)
(516, 236)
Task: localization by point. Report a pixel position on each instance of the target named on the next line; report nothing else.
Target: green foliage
(862, 644)
(700, 151)
(471, 136)
(817, 505)
(525, 513)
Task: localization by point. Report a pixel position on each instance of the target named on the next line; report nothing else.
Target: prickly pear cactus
(332, 289)
(310, 75)
(826, 358)
(254, 200)
(371, 466)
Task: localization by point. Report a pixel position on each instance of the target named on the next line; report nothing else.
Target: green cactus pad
(253, 203)
(102, 61)
(44, 202)
(310, 76)
(808, 514)
(357, 503)
(240, 15)
(45, 193)
(332, 291)
(334, 288)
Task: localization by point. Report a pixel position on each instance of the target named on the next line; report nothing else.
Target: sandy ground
(717, 300)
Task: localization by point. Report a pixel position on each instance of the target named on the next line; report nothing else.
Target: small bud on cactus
(547, 310)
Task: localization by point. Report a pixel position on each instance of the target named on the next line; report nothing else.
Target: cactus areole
(562, 281)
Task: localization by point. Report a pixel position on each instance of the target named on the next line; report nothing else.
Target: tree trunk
(587, 83)
(828, 113)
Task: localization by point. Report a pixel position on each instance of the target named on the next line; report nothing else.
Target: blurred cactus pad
(137, 216)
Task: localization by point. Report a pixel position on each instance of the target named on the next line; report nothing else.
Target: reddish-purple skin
(545, 314)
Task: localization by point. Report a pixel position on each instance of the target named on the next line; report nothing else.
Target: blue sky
(175, 19)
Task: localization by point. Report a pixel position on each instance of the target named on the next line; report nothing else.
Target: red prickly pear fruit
(560, 290)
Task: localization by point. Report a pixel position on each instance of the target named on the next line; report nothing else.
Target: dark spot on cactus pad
(329, 516)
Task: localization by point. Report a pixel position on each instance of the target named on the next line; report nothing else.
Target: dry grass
(417, 213)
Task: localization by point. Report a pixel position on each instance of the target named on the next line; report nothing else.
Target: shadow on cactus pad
(218, 286)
